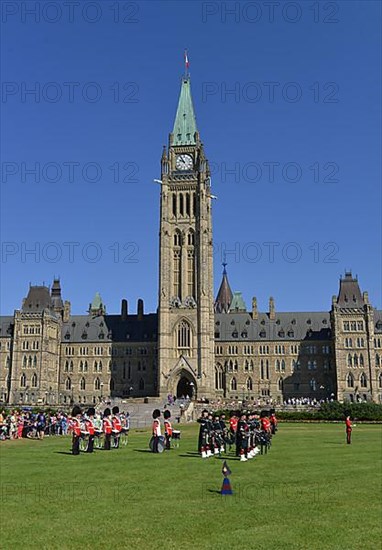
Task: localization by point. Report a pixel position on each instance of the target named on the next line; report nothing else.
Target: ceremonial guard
(242, 438)
(76, 429)
(156, 430)
(273, 421)
(167, 429)
(107, 428)
(117, 427)
(217, 435)
(204, 435)
(89, 426)
(349, 427)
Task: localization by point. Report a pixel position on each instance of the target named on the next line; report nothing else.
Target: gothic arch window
(81, 366)
(188, 204)
(350, 380)
(85, 366)
(97, 384)
(181, 204)
(25, 361)
(249, 384)
(355, 360)
(112, 384)
(233, 384)
(95, 368)
(361, 364)
(141, 384)
(377, 360)
(246, 364)
(174, 204)
(71, 366)
(68, 383)
(34, 380)
(282, 365)
(235, 365)
(267, 369)
(191, 238)
(251, 365)
(363, 380)
(30, 361)
(100, 366)
(82, 384)
(313, 384)
(177, 238)
(380, 381)
(183, 337)
(350, 360)
(23, 380)
(278, 365)
(280, 384)
(35, 361)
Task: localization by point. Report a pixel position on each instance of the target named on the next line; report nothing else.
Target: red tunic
(168, 428)
(89, 427)
(233, 423)
(107, 426)
(117, 426)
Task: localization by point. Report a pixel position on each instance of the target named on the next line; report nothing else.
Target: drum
(176, 437)
(161, 444)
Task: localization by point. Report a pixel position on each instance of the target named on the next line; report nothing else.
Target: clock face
(184, 162)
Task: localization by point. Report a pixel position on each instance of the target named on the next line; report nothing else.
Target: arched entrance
(185, 387)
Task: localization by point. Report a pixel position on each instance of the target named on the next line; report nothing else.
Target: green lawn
(312, 491)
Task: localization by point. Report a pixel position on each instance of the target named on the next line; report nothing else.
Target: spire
(185, 123)
(224, 297)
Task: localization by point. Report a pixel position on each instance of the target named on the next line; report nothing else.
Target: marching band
(249, 432)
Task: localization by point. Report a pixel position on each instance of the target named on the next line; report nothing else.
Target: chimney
(255, 313)
(124, 310)
(140, 309)
(66, 315)
(272, 314)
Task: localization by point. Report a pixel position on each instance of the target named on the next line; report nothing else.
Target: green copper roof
(97, 302)
(185, 123)
(237, 303)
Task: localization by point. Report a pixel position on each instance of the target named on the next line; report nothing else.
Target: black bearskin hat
(76, 410)
(91, 411)
(156, 413)
(263, 414)
(167, 414)
(107, 412)
(115, 410)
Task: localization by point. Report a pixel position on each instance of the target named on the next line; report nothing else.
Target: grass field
(312, 491)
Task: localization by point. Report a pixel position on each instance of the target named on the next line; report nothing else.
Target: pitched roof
(238, 303)
(185, 122)
(37, 300)
(110, 328)
(224, 295)
(349, 295)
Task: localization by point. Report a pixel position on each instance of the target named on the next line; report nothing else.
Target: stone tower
(186, 316)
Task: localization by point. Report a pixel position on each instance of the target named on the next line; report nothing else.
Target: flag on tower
(186, 61)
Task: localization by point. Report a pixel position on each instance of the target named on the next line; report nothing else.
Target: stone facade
(193, 345)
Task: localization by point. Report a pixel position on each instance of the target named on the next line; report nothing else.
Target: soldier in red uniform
(349, 427)
(273, 421)
(167, 429)
(89, 425)
(117, 427)
(107, 428)
(76, 429)
(156, 430)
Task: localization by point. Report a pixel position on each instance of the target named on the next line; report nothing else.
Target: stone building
(193, 345)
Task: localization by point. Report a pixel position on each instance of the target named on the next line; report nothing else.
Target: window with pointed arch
(313, 384)
(377, 360)
(350, 360)
(355, 360)
(25, 361)
(249, 384)
(23, 380)
(82, 384)
(380, 381)
(218, 377)
(34, 380)
(361, 363)
(280, 384)
(183, 338)
(233, 384)
(350, 380)
(363, 380)
(97, 384)
(68, 383)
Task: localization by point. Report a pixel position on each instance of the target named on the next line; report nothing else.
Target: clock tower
(186, 316)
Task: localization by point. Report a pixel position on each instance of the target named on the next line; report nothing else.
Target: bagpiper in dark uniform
(204, 434)
(224, 431)
(242, 438)
(217, 435)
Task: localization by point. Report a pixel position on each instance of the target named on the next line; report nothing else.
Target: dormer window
(262, 334)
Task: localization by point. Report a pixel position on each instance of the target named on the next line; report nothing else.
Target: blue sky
(296, 93)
